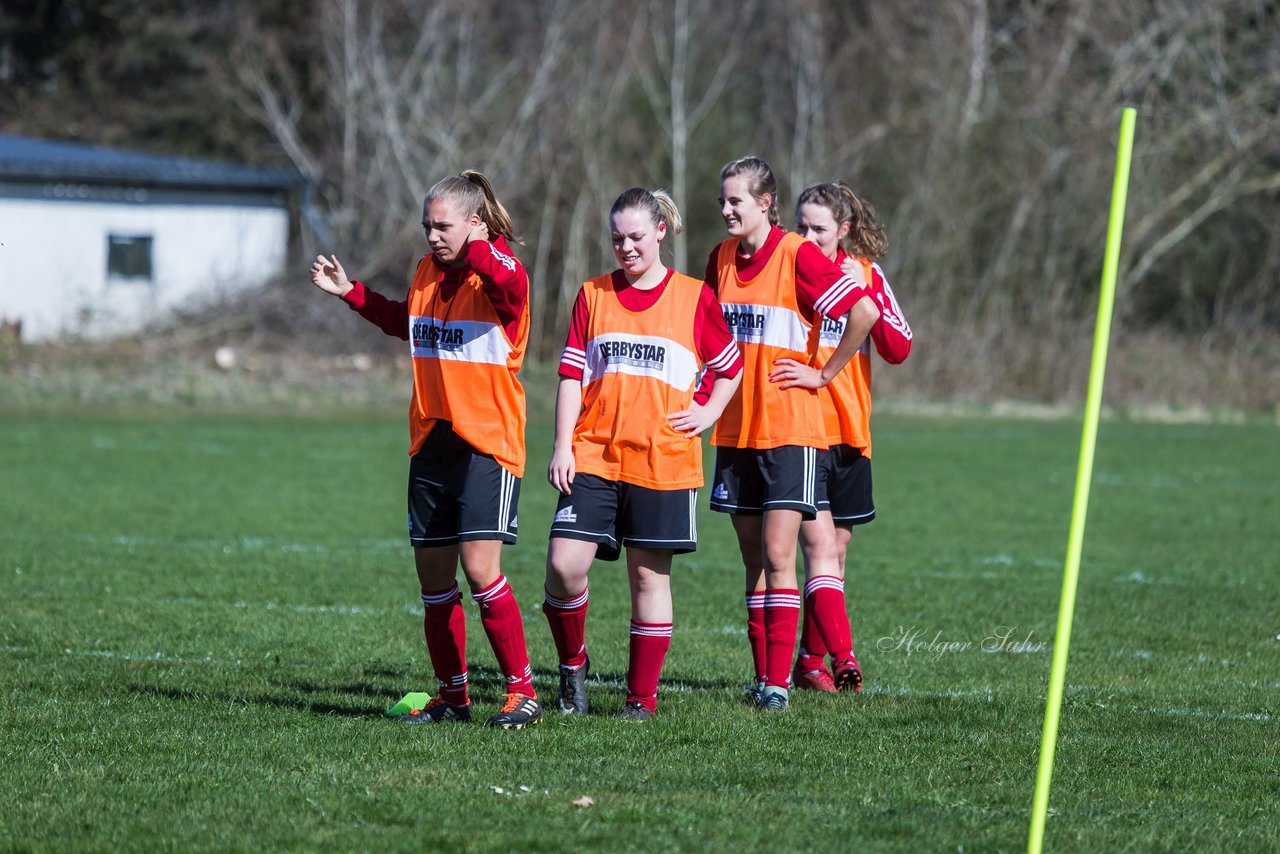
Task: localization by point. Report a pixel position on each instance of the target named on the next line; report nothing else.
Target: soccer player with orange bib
(774, 288)
(627, 457)
(844, 227)
(466, 318)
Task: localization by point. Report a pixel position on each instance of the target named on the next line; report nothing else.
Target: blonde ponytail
(493, 213)
(658, 204)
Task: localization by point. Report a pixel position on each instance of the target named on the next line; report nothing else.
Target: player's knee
(779, 556)
(565, 576)
(821, 552)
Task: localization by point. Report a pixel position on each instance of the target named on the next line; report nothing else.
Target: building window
(129, 257)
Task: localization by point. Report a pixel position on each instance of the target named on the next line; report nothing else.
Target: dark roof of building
(23, 158)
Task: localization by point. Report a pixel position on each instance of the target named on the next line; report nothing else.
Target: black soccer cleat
(573, 688)
(517, 712)
(635, 712)
(848, 677)
(773, 699)
(437, 712)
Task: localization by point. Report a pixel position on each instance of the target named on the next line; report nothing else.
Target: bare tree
(681, 82)
(982, 130)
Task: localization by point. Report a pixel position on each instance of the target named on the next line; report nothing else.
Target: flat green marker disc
(408, 703)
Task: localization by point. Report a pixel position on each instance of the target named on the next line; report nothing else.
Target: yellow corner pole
(1084, 477)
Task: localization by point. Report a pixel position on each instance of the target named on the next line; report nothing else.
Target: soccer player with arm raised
(466, 318)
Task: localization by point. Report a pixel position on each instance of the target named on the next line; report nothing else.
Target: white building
(97, 242)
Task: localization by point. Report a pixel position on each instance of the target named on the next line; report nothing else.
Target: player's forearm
(502, 278)
(892, 345)
(568, 408)
(391, 316)
(722, 391)
(858, 322)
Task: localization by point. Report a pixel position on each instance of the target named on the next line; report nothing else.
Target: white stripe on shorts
(810, 474)
(693, 515)
(504, 501)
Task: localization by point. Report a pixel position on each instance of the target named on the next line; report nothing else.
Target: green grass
(203, 618)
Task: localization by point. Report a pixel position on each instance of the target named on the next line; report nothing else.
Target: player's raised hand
(327, 275)
(480, 232)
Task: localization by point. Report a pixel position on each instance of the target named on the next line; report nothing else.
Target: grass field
(204, 616)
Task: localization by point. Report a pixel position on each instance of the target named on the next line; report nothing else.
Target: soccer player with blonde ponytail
(466, 318)
(627, 458)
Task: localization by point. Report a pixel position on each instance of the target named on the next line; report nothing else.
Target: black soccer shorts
(614, 514)
(751, 481)
(457, 493)
(845, 486)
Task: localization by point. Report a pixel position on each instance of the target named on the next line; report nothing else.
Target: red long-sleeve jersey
(501, 275)
(891, 333)
(846, 400)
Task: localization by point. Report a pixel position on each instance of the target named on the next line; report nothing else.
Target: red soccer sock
(781, 616)
(649, 645)
(824, 600)
(755, 631)
(500, 616)
(568, 621)
(445, 629)
(813, 652)
(813, 649)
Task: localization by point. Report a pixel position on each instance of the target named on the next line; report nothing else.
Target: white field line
(732, 631)
(1155, 482)
(1106, 479)
(114, 655)
(986, 692)
(207, 448)
(248, 544)
(1140, 654)
(1200, 658)
(1210, 714)
(345, 610)
(1140, 577)
(959, 575)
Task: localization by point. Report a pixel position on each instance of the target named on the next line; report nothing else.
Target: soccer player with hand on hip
(844, 227)
(775, 288)
(627, 458)
(466, 317)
